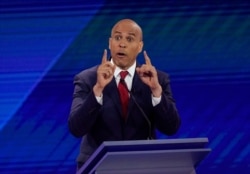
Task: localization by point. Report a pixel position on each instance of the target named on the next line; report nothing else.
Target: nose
(122, 44)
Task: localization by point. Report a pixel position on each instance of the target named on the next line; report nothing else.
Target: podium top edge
(143, 145)
(156, 141)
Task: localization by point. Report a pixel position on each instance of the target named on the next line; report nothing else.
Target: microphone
(144, 115)
(141, 110)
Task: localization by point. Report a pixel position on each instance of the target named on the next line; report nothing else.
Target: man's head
(125, 43)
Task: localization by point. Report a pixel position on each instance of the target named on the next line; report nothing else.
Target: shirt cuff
(99, 99)
(156, 100)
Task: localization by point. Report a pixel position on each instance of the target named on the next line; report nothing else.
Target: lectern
(168, 156)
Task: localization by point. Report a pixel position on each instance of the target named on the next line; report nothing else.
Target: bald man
(99, 112)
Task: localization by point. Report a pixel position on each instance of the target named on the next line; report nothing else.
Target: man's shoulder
(162, 73)
(88, 72)
(88, 75)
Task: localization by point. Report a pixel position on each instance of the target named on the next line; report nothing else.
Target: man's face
(125, 44)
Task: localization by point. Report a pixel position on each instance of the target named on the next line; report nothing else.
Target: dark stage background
(203, 45)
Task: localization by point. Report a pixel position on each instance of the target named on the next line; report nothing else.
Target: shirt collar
(131, 70)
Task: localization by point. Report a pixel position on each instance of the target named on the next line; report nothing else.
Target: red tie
(122, 87)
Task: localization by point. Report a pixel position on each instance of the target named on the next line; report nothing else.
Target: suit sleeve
(167, 119)
(84, 108)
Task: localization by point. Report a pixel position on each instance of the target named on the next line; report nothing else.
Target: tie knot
(123, 74)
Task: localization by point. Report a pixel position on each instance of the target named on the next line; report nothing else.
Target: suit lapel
(111, 91)
(137, 91)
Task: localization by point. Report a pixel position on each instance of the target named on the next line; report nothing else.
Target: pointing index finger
(147, 59)
(104, 56)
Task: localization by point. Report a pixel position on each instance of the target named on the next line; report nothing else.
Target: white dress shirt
(128, 79)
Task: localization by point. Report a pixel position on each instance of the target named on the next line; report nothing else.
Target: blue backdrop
(203, 45)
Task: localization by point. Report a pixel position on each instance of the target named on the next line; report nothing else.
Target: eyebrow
(118, 32)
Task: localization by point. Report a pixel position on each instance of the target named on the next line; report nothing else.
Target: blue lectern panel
(114, 155)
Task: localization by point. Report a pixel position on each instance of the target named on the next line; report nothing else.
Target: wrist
(97, 89)
(156, 92)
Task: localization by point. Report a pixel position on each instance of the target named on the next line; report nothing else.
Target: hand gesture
(148, 75)
(105, 73)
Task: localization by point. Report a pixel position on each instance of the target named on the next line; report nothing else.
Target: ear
(109, 42)
(140, 47)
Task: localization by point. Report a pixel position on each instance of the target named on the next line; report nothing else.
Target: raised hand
(105, 73)
(148, 75)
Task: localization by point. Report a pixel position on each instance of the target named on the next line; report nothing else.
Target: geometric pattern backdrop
(203, 45)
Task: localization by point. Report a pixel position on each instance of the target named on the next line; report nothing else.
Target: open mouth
(121, 54)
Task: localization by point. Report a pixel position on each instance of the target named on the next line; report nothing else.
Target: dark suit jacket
(97, 123)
